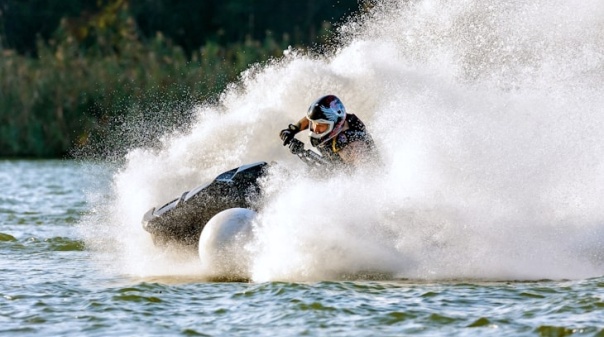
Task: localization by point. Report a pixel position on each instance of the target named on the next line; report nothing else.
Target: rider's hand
(288, 134)
(296, 146)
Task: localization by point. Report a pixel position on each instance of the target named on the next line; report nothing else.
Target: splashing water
(489, 118)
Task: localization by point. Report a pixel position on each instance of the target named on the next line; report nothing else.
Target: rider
(341, 138)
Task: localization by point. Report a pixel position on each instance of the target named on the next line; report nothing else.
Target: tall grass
(75, 90)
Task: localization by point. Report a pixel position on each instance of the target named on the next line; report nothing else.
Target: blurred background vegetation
(75, 72)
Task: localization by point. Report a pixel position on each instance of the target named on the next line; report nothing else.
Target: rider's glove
(296, 146)
(288, 134)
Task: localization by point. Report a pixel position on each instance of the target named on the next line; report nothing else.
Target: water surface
(486, 217)
(51, 285)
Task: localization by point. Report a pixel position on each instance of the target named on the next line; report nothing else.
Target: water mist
(489, 118)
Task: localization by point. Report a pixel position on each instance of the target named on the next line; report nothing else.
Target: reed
(70, 94)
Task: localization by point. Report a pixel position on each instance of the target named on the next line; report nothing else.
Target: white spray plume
(489, 117)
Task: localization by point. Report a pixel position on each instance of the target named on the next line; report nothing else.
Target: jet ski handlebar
(311, 158)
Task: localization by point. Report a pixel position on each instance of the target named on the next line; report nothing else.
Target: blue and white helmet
(329, 112)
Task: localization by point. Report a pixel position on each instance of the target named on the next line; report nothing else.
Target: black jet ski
(180, 221)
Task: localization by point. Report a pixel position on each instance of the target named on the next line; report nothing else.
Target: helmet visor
(320, 127)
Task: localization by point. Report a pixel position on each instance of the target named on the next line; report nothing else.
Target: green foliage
(189, 23)
(100, 70)
(22, 21)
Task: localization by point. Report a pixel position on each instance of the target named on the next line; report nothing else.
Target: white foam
(489, 118)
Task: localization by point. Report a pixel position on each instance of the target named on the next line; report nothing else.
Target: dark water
(51, 286)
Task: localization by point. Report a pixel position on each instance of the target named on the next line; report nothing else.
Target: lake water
(485, 219)
(52, 285)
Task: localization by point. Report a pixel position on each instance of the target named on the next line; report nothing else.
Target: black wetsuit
(356, 132)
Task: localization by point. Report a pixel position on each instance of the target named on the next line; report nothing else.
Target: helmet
(326, 116)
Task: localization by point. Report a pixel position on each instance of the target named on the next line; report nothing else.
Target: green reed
(76, 89)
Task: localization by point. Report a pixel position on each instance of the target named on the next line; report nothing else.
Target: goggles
(320, 127)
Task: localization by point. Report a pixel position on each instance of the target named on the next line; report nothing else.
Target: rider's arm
(303, 123)
(288, 134)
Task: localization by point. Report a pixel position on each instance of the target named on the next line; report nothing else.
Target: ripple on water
(63, 244)
(7, 238)
(38, 245)
(561, 331)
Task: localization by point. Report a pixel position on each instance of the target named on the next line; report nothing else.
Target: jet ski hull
(181, 221)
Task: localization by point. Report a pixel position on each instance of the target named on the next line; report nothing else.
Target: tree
(22, 21)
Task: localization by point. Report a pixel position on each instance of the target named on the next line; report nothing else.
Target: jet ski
(180, 222)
